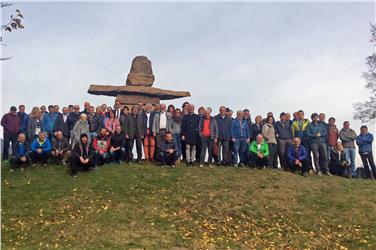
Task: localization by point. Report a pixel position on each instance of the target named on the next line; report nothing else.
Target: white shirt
(117, 113)
(258, 147)
(163, 121)
(148, 119)
(65, 118)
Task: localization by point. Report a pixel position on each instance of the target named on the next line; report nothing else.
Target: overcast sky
(263, 56)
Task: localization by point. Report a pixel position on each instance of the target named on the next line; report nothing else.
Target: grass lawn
(143, 206)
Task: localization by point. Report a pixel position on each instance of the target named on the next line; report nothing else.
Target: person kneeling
(117, 148)
(338, 164)
(168, 151)
(297, 157)
(82, 156)
(40, 149)
(101, 145)
(60, 148)
(20, 151)
(259, 152)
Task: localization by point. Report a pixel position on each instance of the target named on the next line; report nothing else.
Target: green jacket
(263, 149)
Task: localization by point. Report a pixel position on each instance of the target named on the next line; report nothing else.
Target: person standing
(332, 134)
(117, 109)
(11, 125)
(240, 137)
(175, 129)
(224, 135)
(62, 123)
(189, 134)
(34, 125)
(24, 119)
(49, 122)
(348, 137)
(208, 132)
(364, 142)
(111, 122)
(149, 139)
(269, 134)
(134, 131)
(95, 122)
(283, 134)
(317, 135)
(160, 124)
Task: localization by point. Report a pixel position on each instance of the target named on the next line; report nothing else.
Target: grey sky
(263, 56)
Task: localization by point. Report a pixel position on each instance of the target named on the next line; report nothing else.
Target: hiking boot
(328, 174)
(211, 166)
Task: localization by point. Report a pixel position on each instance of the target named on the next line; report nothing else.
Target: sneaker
(201, 166)
(11, 170)
(211, 166)
(22, 169)
(173, 166)
(319, 173)
(44, 165)
(235, 165)
(328, 174)
(163, 166)
(34, 165)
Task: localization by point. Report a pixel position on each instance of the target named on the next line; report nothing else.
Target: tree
(366, 111)
(14, 23)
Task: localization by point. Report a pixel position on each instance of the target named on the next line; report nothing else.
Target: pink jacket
(111, 124)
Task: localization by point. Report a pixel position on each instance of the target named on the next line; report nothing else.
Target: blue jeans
(350, 154)
(240, 149)
(177, 140)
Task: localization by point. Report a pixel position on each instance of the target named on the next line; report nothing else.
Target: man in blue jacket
(224, 133)
(297, 157)
(24, 118)
(364, 142)
(20, 150)
(49, 121)
(240, 137)
(40, 149)
(316, 133)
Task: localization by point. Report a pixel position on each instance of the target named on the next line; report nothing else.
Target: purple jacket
(10, 123)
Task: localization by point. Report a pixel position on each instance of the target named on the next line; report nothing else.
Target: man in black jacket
(62, 123)
(168, 151)
(283, 133)
(134, 132)
(95, 122)
(189, 132)
(224, 136)
(82, 156)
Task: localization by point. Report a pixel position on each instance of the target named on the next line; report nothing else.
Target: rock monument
(138, 86)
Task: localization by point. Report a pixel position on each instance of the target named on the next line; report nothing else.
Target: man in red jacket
(101, 145)
(11, 124)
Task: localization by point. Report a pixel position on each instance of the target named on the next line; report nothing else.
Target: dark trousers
(338, 169)
(8, 138)
(283, 145)
(167, 159)
(117, 154)
(206, 144)
(130, 144)
(306, 145)
(257, 161)
(16, 161)
(39, 157)
(368, 162)
(303, 169)
(223, 148)
(101, 159)
(272, 158)
(76, 164)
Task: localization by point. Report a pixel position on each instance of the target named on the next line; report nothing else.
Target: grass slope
(133, 206)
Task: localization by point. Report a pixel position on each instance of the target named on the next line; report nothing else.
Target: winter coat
(10, 123)
(49, 122)
(101, 144)
(224, 127)
(81, 127)
(156, 121)
(268, 132)
(61, 145)
(17, 153)
(264, 149)
(45, 145)
(283, 130)
(239, 129)
(364, 142)
(213, 128)
(315, 128)
(24, 119)
(299, 128)
(256, 129)
(189, 128)
(300, 155)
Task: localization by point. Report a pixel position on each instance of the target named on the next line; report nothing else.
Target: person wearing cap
(317, 134)
(11, 125)
(283, 134)
(82, 156)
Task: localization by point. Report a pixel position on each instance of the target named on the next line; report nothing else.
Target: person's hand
(183, 138)
(23, 158)
(39, 150)
(154, 134)
(127, 136)
(170, 151)
(260, 155)
(318, 134)
(86, 160)
(82, 159)
(233, 139)
(215, 140)
(248, 140)
(296, 162)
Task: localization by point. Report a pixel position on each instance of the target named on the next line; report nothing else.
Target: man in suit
(117, 109)
(62, 123)
(134, 131)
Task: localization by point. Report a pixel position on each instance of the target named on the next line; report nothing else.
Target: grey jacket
(31, 126)
(80, 128)
(156, 122)
(347, 136)
(174, 127)
(130, 126)
(268, 132)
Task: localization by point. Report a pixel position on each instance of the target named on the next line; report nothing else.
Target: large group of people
(165, 135)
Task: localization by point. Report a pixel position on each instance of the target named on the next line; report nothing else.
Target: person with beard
(101, 146)
(175, 130)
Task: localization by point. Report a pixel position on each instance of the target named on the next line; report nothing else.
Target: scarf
(86, 149)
